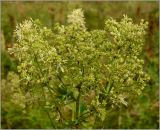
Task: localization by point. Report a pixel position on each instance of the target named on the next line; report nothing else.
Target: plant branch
(42, 86)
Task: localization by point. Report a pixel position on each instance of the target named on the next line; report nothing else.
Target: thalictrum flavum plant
(77, 74)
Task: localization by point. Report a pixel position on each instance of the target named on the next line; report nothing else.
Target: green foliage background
(140, 113)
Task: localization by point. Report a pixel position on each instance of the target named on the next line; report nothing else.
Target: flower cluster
(73, 63)
(77, 18)
(12, 91)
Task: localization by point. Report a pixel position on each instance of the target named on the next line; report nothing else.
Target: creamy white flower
(77, 18)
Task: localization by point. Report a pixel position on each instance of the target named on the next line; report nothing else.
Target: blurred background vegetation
(142, 112)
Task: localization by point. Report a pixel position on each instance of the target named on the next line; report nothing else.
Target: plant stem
(77, 106)
(78, 103)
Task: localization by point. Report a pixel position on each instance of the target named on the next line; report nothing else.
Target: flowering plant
(78, 74)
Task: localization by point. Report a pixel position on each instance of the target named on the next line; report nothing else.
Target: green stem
(56, 105)
(46, 110)
(78, 103)
(77, 106)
